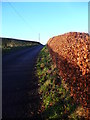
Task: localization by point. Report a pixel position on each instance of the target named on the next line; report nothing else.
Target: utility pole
(39, 37)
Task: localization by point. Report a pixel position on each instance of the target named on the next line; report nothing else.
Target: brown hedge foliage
(70, 53)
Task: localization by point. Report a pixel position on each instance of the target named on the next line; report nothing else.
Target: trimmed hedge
(70, 53)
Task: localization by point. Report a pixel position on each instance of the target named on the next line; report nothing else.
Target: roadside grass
(56, 102)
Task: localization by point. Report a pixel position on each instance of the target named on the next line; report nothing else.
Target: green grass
(56, 102)
(9, 44)
(9, 49)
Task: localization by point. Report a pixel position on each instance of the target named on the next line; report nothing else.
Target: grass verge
(56, 102)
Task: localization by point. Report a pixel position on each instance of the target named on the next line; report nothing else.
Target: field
(9, 44)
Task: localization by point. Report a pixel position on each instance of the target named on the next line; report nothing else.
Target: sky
(26, 20)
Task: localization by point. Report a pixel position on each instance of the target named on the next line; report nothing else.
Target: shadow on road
(20, 98)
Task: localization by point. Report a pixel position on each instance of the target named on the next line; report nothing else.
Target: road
(20, 97)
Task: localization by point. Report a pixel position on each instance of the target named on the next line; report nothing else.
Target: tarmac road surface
(20, 97)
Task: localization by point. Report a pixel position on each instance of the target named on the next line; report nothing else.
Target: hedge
(70, 54)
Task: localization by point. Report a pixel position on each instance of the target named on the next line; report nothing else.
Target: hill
(10, 43)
